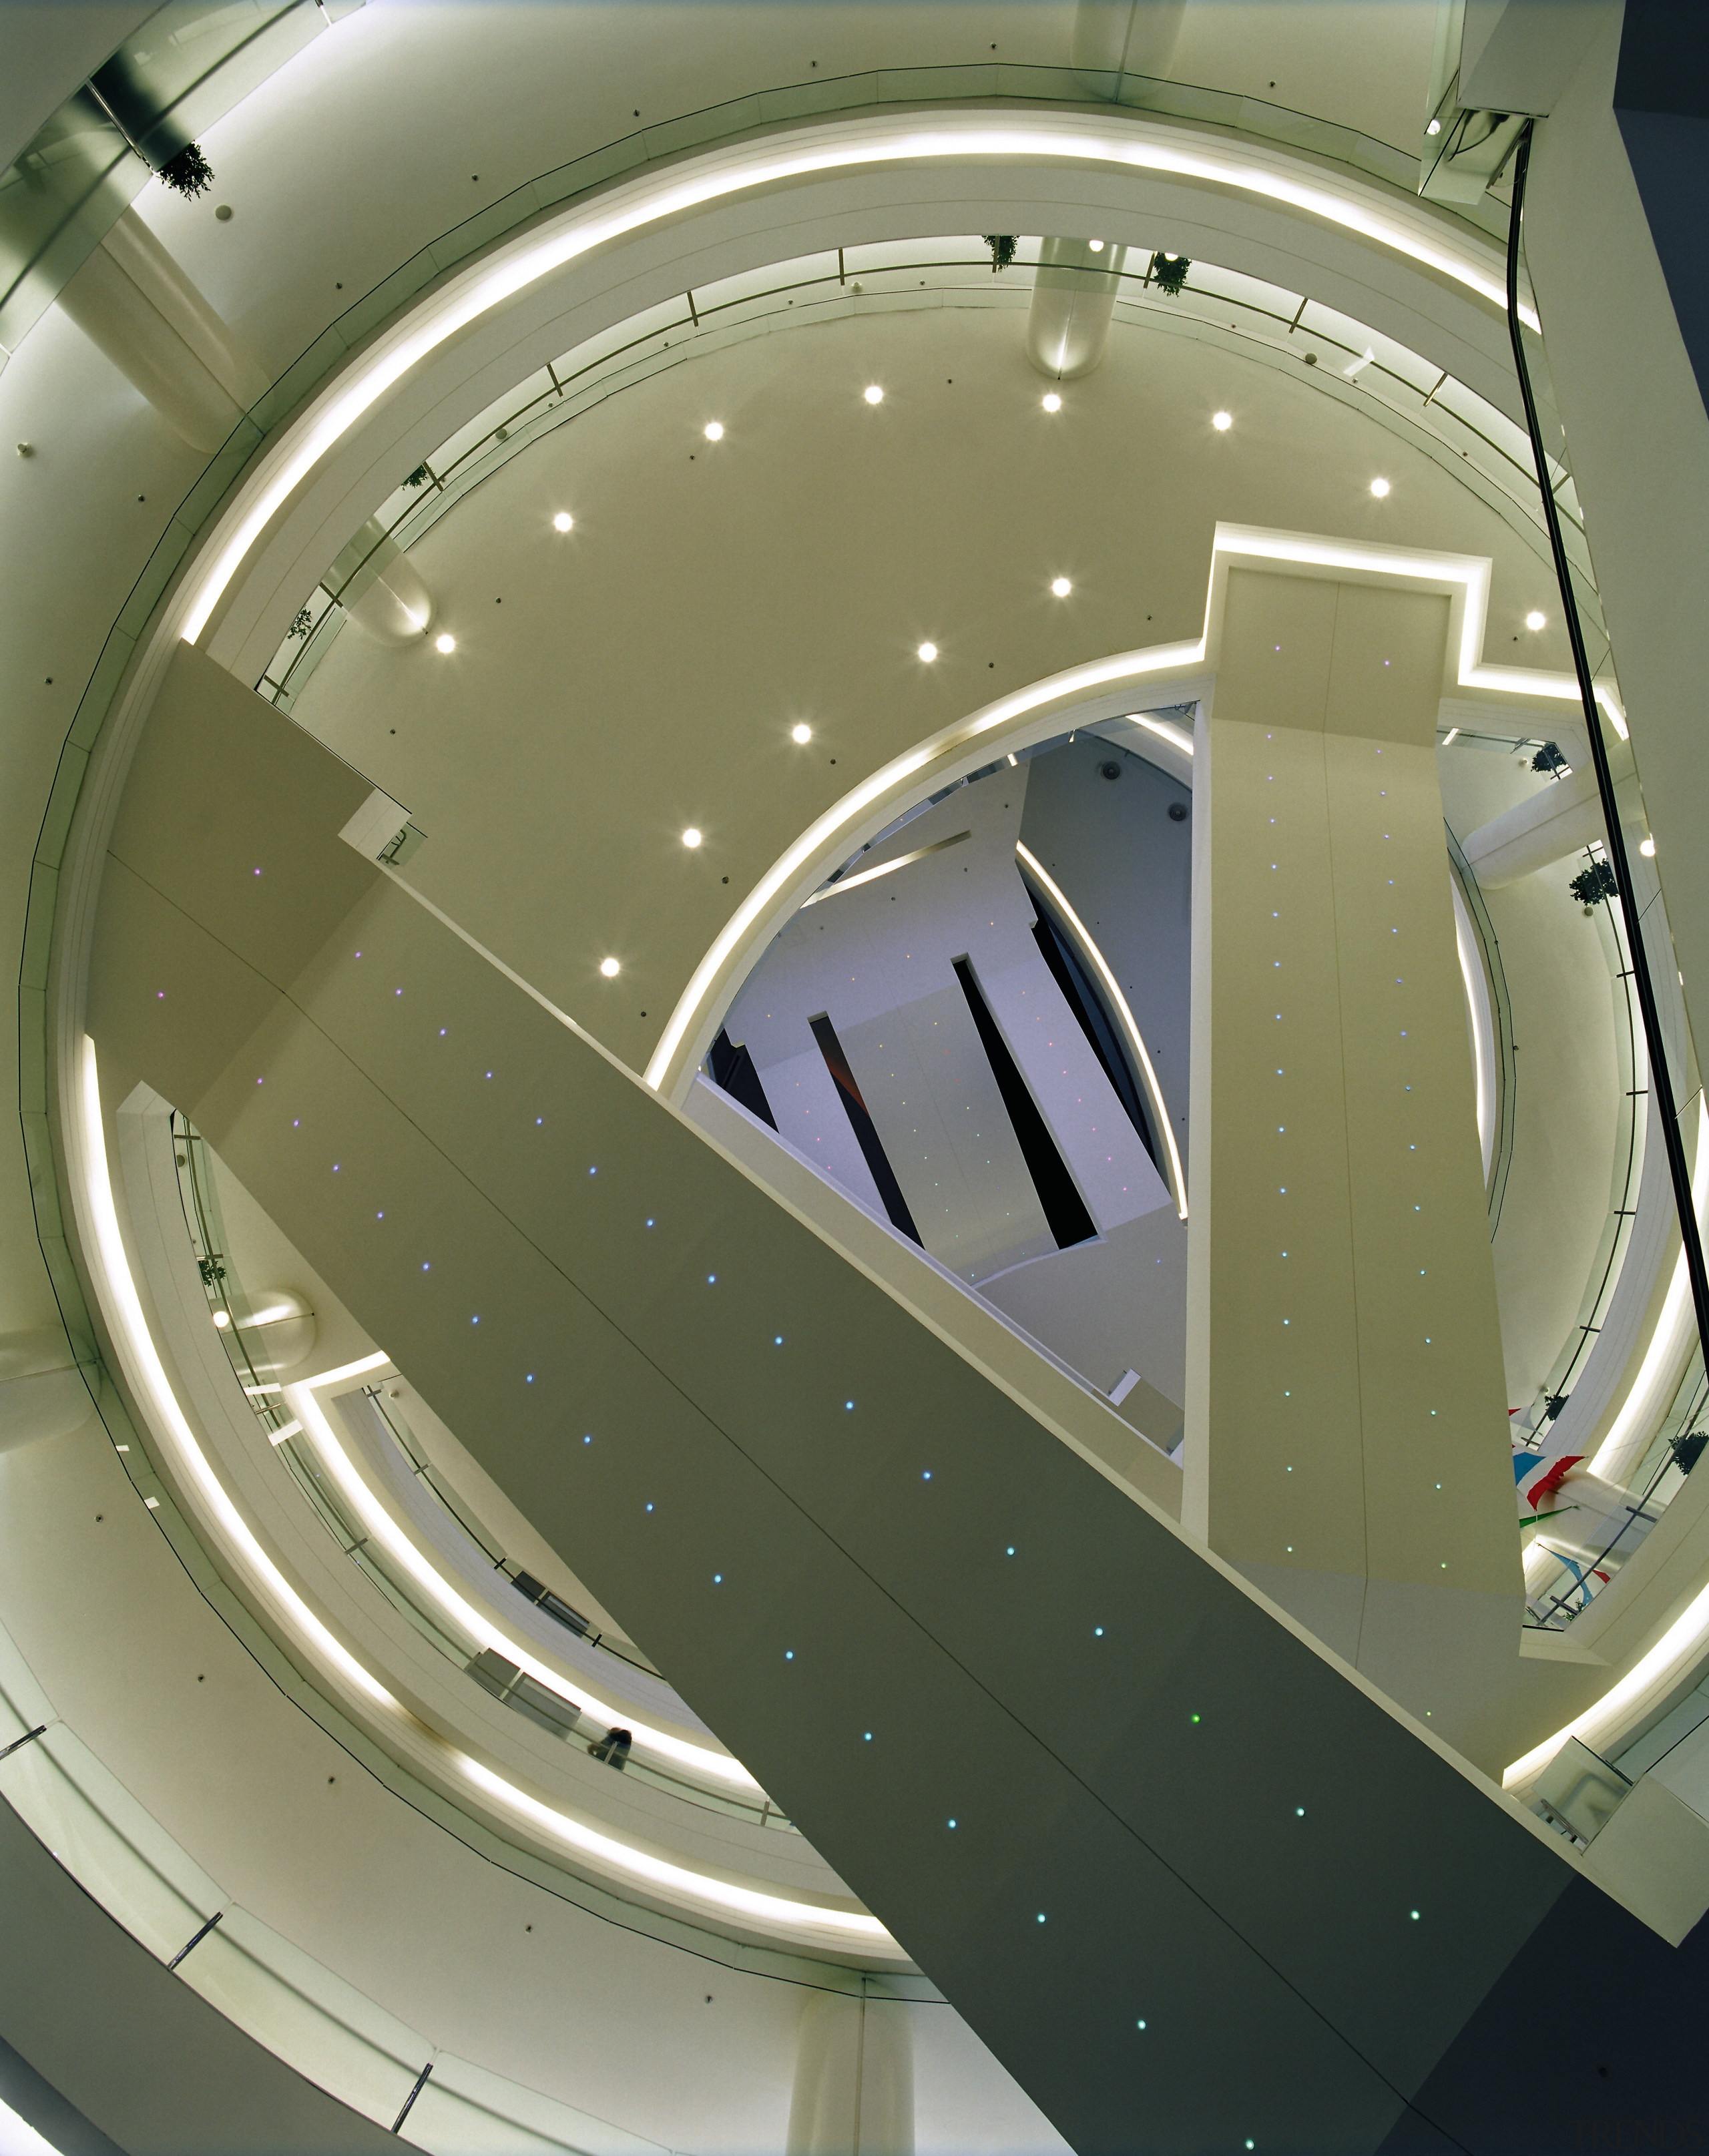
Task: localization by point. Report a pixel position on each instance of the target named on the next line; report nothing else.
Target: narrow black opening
(865, 1130)
(1080, 991)
(734, 1073)
(1064, 1208)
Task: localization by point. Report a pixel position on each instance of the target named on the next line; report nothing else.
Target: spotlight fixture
(1053, 403)
(563, 521)
(1379, 487)
(610, 968)
(928, 652)
(1061, 587)
(690, 838)
(220, 1320)
(445, 643)
(1097, 246)
(873, 394)
(1647, 848)
(714, 430)
(801, 734)
(1536, 619)
(1222, 421)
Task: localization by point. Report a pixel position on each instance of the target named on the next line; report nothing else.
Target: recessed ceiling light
(1647, 848)
(221, 1321)
(563, 521)
(801, 733)
(1536, 619)
(1222, 421)
(445, 643)
(1097, 246)
(928, 652)
(1053, 403)
(1061, 587)
(610, 968)
(690, 838)
(873, 394)
(1379, 487)
(715, 431)
(1434, 127)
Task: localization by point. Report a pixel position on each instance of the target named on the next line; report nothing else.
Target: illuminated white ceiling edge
(698, 1893)
(802, 866)
(1128, 142)
(1112, 989)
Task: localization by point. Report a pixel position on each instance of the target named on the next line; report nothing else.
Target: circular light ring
(1126, 143)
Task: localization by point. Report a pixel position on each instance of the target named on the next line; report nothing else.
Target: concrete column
(383, 594)
(854, 2093)
(132, 300)
(1074, 299)
(1347, 1418)
(42, 1394)
(1135, 36)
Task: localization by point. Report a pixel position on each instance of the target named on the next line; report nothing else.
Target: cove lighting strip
(1465, 576)
(713, 1766)
(1160, 1111)
(116, 1288)
(821, 836)
(813, 152)
(1670, 1657)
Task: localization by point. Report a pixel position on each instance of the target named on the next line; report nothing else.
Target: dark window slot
(1080, 993)
(1064, 1208)
(527, 1695)
(865, 1130)
(734, 1073)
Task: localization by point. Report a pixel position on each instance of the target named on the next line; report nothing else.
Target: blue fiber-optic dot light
(592, 1171)
(711, 1280)
(927, 1476)
(1139, 2024)
(649, 1223)
(1299, 1811)
(778, 1342)
(588, 1439)
(717, 1579)
(849, 1404)
(426, 1266)
(649, 1507)
(1041, 1916)
(952, 1822)
(474, 1320)
(1097, 1631)
(788, 1654)
(867, 1738)
(1415, 1916)
(538, 1121)
(1011, 1549)
(529, 1379)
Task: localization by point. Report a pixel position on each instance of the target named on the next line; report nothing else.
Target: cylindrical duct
(854, 2093)
(1074, 298)
(1132, 37)
(383, 594)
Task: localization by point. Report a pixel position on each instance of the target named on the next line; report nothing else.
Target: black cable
(1660, 1076)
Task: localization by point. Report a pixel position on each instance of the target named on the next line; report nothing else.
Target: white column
(134, 303)
(854, 2093)
(41, 1394)
(384, 596)
(1074, 299)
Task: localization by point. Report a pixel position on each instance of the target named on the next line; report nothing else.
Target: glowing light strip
(126, 1306)
(1177, 1182)
(741, 1900)
(821, 835)
(1666, 1342)
(124, 1310)
(885, 867)
(654, 201)
(1675, 1650)
(1470, 973)
(713, 1766)
(1174, 735)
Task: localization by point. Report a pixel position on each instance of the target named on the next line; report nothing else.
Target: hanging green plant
(301, 623)
(418, 477)
(1002, 245)
(1594, 884)
(189, 173)
(1170, 272)
(1549, 759)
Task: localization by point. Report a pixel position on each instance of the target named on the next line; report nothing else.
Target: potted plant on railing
(1002, 245)
(1591, 885)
